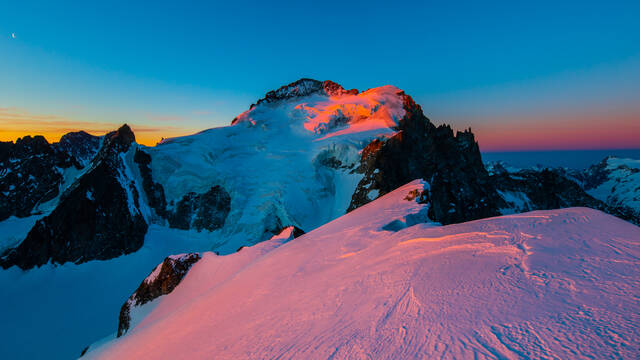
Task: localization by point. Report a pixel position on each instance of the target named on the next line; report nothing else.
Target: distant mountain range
(612, 185)
(304, 155)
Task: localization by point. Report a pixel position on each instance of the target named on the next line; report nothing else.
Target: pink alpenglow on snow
(376, 283)
(346, 113)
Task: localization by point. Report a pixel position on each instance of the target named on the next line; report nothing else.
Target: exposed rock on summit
(305, 87)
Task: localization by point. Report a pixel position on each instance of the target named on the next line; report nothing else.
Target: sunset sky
(540, 75)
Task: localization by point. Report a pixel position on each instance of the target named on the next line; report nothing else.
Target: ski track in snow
(540, 285)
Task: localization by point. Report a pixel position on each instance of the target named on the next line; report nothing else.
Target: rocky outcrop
(97, 217)
(295, 232)
(543, 190)
(460, 189)
(207, 211)
(31, 172)
(153, 190)
(162, 281)
(81, 145)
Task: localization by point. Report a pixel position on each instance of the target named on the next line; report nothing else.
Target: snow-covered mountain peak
(325, 109)
(288, 161)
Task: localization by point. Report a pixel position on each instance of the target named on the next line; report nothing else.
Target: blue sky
(171, 68)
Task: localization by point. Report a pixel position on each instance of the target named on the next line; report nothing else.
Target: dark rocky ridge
(460, 189)
(546, 189)
(162, 281)
(93, 220)
(81, 145)
(30, 174)
(154, 191)
(557, 188)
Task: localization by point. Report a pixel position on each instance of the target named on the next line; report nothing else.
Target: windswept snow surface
(545, 284)
(279, 160)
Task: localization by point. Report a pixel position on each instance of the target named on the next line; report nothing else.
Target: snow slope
(14, 230)
(545, 284)
(278, 160)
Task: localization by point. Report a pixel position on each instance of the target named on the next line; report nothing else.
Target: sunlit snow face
(370, 110)
(379, 108)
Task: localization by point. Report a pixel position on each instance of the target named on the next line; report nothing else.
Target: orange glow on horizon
(142, 137)
(16, 123)
(596, 130)
(560, 132)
